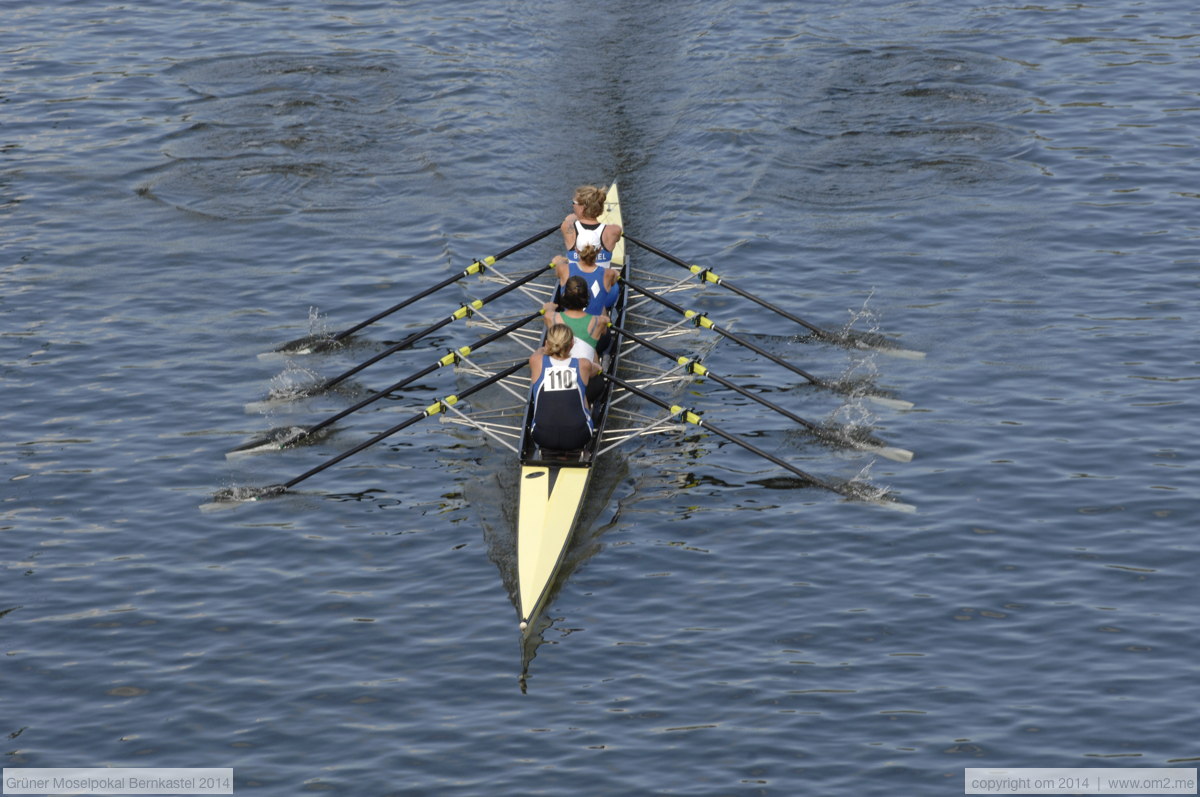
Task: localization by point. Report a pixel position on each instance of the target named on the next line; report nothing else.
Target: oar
(853, 339)
(693, 417)
(433, 409)
(304, 345)
(701, 320)
(464, 311)
(868, 442)
(454, 357)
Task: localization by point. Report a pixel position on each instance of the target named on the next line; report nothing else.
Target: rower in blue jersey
(601, 282)
(562, 419)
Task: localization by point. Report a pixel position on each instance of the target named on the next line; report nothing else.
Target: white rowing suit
(592, 234)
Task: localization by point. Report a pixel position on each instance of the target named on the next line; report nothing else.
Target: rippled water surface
(1010, 189)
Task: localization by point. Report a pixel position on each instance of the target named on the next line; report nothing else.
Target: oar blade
(890, 403)
(275, 440)
(903, 354)
(893, 453)
(233, 497)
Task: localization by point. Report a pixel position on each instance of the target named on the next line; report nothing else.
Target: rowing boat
(553, 487)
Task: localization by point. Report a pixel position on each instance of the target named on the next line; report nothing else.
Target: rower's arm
(568, 232)
(535, 365)
(613, 233)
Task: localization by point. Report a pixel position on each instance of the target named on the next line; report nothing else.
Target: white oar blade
(903, 354)
(274, 441)
(893, 453)
(890, 403)
(898, 506)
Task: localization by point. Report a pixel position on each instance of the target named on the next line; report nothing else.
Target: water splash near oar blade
(233, 497)
(274, 440)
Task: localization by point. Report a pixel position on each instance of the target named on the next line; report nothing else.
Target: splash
(232, 497)
(294, 382)
(275, 440)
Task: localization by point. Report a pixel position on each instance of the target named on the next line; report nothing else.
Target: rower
(562, 418)
(602, 286)
(591, 331)
(582, 226)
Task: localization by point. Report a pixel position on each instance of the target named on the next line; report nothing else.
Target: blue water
(1010, 189)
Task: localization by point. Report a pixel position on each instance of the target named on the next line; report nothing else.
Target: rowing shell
(554, 486)
(553, 490)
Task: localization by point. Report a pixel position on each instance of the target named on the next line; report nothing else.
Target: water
(1009, 188)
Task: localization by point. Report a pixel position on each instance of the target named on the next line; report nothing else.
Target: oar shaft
(433, 409)
(697, 368)
(716, 280)
(390, 350)
(400, 306)
(726, 333)
(462, 312)
(693, 418)
(720, 380)
(472, 269)
(403, 383)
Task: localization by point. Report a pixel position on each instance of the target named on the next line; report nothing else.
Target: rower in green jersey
(589, 330)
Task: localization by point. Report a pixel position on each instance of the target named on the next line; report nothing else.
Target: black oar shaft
(401, 305)
(472, 269)
(704, 321)
(696, 368)
(432, 409)
(462, 312)
(709, 276)
(403, 383)
(691, 417)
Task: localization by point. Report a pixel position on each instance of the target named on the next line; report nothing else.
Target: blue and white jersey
(599, 298)
(559, 395)
(586, 234)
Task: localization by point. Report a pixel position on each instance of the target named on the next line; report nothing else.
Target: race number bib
(559, 377)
